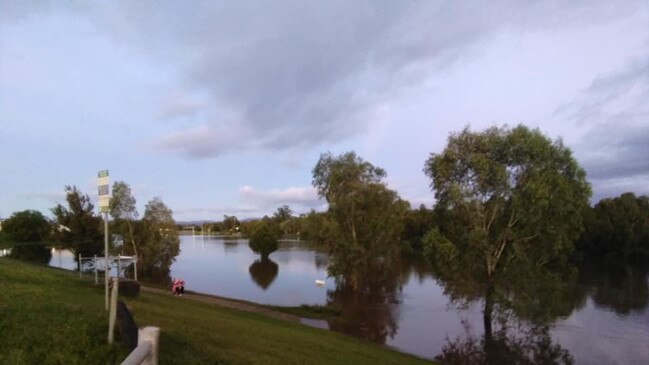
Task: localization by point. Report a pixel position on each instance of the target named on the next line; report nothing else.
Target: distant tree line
(505, 198)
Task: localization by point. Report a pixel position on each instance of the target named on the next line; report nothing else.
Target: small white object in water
(320, 282)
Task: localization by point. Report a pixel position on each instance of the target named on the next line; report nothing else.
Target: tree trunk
(487, 320)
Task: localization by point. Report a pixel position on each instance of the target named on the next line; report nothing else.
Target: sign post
(104, 207)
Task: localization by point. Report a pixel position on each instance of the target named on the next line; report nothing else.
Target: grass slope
(48, 316)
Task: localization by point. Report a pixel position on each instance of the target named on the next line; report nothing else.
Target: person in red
(178, 286)
(181, 286)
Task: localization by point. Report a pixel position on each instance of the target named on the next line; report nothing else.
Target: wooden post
(119, 264)
(96, 273)
(113, 310)
(80, 277)
(150, 334)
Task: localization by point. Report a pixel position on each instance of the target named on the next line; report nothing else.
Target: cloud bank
(288, 75)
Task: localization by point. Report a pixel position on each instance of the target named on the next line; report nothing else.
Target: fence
(97, 265)
(148, 339)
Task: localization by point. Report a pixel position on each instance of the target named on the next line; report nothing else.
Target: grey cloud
(615, 150)
(302, 74)
(618, 152)
(178, 106)
(300, 199)
(198, 142)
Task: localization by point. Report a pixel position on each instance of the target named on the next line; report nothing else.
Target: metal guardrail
(147, 350)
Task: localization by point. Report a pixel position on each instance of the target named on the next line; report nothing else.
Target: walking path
(228, 303)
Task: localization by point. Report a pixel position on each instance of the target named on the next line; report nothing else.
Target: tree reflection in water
(535, 301)
(622, 288)
(32, 253)
(371, 310)
(263, 272)
(530, 346)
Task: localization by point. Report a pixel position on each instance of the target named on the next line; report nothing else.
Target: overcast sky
(224, 107)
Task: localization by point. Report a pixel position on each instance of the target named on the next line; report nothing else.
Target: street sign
(103, 191)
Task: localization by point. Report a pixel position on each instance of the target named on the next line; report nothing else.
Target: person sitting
(181, 286)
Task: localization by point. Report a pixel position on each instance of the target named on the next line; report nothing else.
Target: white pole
(113, 311)
(106, 255)
(96, 272)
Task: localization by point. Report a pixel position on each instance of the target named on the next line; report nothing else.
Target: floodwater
(606, 321)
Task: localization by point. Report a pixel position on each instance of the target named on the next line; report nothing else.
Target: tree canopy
(26, 226)
(510, 197)
(79, 228)
(158, 238)
(617, 228)
(263, 240)
(124, 213)
(368, 215)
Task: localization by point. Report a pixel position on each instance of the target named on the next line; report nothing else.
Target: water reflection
(530, 346)
(622, 288)
(263, 272)
(231, 245)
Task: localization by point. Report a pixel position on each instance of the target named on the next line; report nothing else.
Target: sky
(224, 107)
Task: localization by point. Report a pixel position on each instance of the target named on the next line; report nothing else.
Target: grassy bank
(48, 316)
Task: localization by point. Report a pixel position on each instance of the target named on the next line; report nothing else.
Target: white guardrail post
(147, 350)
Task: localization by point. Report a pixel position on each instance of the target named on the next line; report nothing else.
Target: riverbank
(50, 316)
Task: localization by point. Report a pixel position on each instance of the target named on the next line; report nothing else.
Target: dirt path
(228, 303)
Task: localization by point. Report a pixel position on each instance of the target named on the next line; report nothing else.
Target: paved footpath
(228, 303)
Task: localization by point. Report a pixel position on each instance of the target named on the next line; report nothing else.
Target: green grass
(49, 316)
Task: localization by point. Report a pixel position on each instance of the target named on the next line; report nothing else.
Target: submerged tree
(79, 229)
(369, 216)
(510, 203)
(159, 243)
(263, 240)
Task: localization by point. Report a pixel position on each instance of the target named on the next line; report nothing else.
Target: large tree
(510, 203)
(79, 229)
(159, 243)
(26, 226)
(124, 213)
(368, 215)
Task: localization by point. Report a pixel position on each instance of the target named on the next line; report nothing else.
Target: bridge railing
(148, 348)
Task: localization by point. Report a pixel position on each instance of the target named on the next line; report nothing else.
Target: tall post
(96, 272)
(135, 267)
(113, 311)
(106, 255)
(103, 200)
(79, 266)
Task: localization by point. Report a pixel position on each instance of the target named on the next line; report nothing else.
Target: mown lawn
(49, 316)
